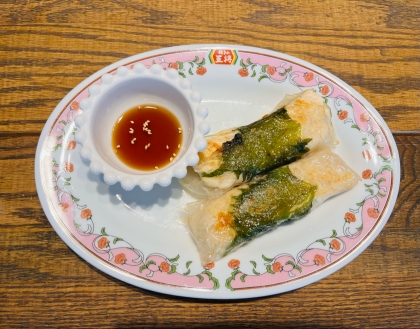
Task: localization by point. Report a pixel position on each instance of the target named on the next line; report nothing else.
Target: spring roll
(220, 226)
(298, 123)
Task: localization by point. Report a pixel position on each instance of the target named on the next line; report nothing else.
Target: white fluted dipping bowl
(117, 93)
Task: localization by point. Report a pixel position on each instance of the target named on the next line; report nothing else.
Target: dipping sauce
(147, 137)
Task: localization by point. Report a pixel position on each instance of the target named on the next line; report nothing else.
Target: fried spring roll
(298, 123)
(220, 226)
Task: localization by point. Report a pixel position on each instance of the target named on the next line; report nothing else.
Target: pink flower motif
(102, 243)
(277, 267)
(319, 260)
(68, 167)
(234, 264)
(174, 65)
(335, 244)
(201, 70)
(86, 214)
(350, 217)
(243, 72)
(367, 174)
(164, 267)
(75, 106)
(325, 90)
(270, 70)
(364, 117)
(64, 206)
(373, 213)
(120, 259)
(71, 145)
(209, 266)
(309, 76)
(343, 114)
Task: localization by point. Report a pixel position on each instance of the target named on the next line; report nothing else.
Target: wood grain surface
(48, 47)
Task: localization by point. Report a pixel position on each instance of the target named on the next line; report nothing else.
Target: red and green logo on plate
(223, 56)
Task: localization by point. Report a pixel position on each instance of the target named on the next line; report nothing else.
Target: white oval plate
(139, 237)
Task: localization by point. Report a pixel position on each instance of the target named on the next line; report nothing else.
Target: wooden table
(48, 47)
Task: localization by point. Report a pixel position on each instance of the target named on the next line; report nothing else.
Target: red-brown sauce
(147, 137)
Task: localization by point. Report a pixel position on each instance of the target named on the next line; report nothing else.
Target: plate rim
(197, 292)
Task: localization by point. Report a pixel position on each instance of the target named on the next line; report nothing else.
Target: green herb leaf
(253, 74)
(227, 284)
(269, 270)
(188, 264)
(216, 283)
(322, 241)
(382, 169)
(173, 269)
(360, 203)
(387, 160)
(355, 126)
(208, 273)
(267, 259)
(200, 278)
(253, 263)
(181, 74)
(103, 231)
(334, 234)
(297, 267)
(190, 72)
(186, 273)
(150, 262)
(255, 272)
(74, 198)
(180, 65)
(143, 267)
(360, 228)
(263, 68)
(173, 259)
(370, 191)
(63, 122)
(289, 262)
(243, 276)
(117, 239)
(262, 77)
